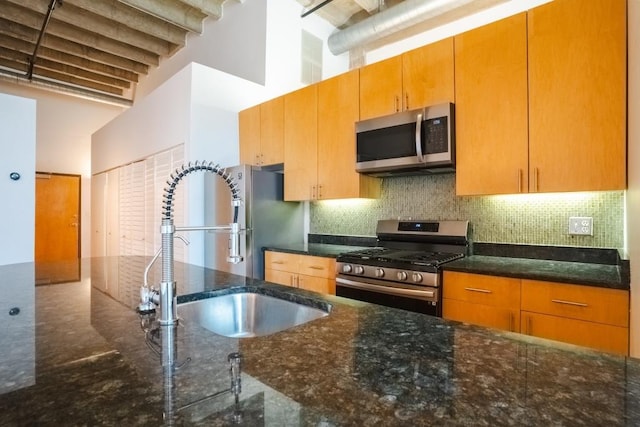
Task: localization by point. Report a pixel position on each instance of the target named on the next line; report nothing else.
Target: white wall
(18, 145)
(256, 40)
(156, 123)
(284, 28)
(633, 192)
(234, 44)
(197, 107)
(64, 126)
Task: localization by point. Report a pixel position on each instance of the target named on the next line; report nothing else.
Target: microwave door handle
(419, 139)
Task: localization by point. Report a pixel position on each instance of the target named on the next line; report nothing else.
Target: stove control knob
(359, 269)
(379, 272)
(346, 268)
(402, 275)
(416, 277)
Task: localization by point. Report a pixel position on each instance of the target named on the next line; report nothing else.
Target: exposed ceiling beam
(368, 5)
(77, 81)
(92, 23)
(17, 56)
(19, 31)
(58, 87)
(132, 18)
(213, 8)
(33, 19)
(175, 12)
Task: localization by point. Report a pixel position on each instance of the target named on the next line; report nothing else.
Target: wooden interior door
(57, 245)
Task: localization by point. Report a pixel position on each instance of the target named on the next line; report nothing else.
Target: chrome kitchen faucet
(166, 297)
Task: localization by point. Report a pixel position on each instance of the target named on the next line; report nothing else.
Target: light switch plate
(581, 226)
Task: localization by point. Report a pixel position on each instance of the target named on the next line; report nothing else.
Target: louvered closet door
(132, 209)
(158, 170)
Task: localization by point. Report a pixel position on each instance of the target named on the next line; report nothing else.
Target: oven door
(420, 299)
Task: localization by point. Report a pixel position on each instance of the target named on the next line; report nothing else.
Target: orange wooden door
(57, 218)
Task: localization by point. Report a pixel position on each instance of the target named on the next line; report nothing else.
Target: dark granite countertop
(586, 266)
(601, 275)
(315, 249)
(76, 354)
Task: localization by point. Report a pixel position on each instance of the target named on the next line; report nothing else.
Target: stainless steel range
(404, 270)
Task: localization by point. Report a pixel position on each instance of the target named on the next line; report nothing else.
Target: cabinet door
(280, 277)
(427, 75)
(480, 314)
(300, 139)
(272, 131)
(381, 88)
(491, 108)
(338, 110)
(482, 300)
(577, 95)
(249, 134)
(317, 284)
(614, 339)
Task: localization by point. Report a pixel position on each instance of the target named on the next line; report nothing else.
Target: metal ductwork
(402, 16)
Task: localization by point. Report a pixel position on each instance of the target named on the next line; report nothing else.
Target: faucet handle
(147, 297)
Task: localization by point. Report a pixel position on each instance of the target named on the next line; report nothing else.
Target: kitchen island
(78, 354)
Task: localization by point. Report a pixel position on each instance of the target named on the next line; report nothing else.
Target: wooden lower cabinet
(482, 300)
(609, 338)
(307, 272)
(583, 315)
(589, 316)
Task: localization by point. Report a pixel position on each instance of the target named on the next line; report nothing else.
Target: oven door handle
(390, 290)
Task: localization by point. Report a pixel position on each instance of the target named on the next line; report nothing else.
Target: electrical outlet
(581, 226)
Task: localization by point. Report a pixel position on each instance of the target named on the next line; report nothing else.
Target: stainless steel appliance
(269, 221)
(404, 270)
(411, 142)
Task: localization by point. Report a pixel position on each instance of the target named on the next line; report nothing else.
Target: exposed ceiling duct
(426, 13)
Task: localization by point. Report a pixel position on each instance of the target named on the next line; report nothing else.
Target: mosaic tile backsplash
(525, 219)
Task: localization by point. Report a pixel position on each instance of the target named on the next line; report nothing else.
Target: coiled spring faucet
(166, 297)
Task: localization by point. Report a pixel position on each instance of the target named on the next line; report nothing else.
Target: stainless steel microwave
(411, 142)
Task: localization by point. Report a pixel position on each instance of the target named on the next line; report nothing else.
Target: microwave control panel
(436, 135)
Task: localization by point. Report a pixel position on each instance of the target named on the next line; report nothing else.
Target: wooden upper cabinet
(415, 79)
(491, 108)
(249, 132)
(428, 75)
(300, 141)
(272, 131)
(261, 131)
(577, 97)
(337, 178)
(381, 88)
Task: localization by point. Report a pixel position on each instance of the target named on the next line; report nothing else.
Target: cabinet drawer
(483, 315)
(601, 305)
(613, 339)
(481, 289)
(281, 261)
(318, 266)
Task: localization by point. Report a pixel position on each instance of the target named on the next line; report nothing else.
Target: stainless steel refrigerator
(268, 220)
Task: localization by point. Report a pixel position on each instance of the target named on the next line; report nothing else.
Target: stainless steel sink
(248, 314)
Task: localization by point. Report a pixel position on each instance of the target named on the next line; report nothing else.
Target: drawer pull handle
(315, 267)
(578, 304)
(484, 291)
(277, 262)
